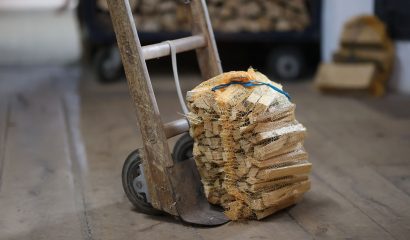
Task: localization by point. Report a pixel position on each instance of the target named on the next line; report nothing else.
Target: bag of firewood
(248, 145)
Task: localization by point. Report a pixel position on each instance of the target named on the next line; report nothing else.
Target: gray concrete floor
(64, 137)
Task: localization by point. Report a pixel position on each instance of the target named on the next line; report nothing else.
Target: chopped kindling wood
(248, 145)
(226, 15)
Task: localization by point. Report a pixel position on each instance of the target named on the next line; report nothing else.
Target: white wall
(400, 80)
(6, 5)
(35, 32)
(38, 37)
(334, 14)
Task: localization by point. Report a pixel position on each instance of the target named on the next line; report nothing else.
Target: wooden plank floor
(63, 139)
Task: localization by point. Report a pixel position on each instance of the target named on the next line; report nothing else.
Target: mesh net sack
(248, 145)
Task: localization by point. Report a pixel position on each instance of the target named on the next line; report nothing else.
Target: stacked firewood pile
(248, 144)
(226, 15)
(365, 40)
(366, 52)
(258, 15)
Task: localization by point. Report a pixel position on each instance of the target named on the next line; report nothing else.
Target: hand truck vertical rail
(153, 180)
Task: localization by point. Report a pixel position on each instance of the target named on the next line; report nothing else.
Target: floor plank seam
(351, 202)
(4, 141)
(370, 167)
(77, 179)
(300, 225)
(388, 180)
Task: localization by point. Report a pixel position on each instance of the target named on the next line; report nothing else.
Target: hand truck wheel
(183, 148)
(108, 65)
(135, 185)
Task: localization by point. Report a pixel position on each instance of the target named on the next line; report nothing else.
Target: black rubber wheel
(130, 171)
(286, 63)
(107, 65)
(183, 148)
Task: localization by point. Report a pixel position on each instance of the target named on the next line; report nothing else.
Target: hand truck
(154, 181)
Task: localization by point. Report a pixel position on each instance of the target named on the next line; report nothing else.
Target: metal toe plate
(192, 205)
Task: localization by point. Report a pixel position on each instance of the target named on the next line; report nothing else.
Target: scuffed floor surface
(64, 137)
